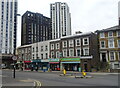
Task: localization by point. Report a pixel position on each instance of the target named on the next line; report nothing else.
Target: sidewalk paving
(20, 82)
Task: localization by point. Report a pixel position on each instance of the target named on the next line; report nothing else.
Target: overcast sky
(86, 15)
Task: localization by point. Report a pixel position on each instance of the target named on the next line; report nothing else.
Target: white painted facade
(8, 26)
(40, 50)
(61, 20)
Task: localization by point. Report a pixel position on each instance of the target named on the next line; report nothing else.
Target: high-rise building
(60, 20)
(8, 26)
(119, 12)
(35, 28)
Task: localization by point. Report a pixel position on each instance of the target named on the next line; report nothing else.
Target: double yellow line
(37, 84)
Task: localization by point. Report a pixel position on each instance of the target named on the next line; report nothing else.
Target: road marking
(37, 84)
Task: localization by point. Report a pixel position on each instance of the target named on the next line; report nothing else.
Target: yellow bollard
(83, 73)
(64, 72)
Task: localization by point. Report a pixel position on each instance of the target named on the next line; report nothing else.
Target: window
(52, 46)
(111, 43)
(112, 56)
(41, 48)
(36, 49)
(118, 33)
(33, 56)
(57, 46)
(85, 41)
(64, 53)
(110, 34)
(65, 44)
(71, 52)
(119, 56)
(52, 54)
(102, 44)
(102, 35)
(46, 55)
(33, 49)
(118, 43)
(57, 54)
(78, 52)
(86, 51)
(77, 42)
(46, 48)
(41, 56)
(71, 43)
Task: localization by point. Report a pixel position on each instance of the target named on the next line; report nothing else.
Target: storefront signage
(44, 60)
(27, 61)
(70, 59)
(37, 60)
(54, 60)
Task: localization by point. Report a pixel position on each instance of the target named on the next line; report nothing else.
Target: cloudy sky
(86, 15)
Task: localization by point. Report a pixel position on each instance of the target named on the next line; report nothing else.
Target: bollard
(84, 73)
(64, 72)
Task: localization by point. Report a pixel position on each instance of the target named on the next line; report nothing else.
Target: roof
(110, 29)
(75, 35)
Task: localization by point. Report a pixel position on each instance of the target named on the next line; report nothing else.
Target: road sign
(14, 57)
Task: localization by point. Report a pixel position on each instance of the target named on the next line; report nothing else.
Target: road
(54, 79)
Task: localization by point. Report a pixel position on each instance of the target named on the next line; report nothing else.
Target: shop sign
(27, 61)
(44, 60)
(70, 59)
(54, 60)
(37, 60)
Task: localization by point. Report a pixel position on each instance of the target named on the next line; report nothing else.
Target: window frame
(112, 42)
(102, 35)
(84, 41)
(110, 56)
(84, 51)
(77, 42)
(101, 44)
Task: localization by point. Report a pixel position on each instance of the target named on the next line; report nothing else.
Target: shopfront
(27, 65)
(44, 65)
(70, 64)
(35, 65)
(54, 64)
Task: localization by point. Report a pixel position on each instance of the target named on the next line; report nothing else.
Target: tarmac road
(24, 78)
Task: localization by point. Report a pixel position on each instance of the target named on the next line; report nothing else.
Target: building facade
(76, 52)
(109, 47)
(35, 28)
(8, 26)
(34, 56)
(60, 20)
(8, 30)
